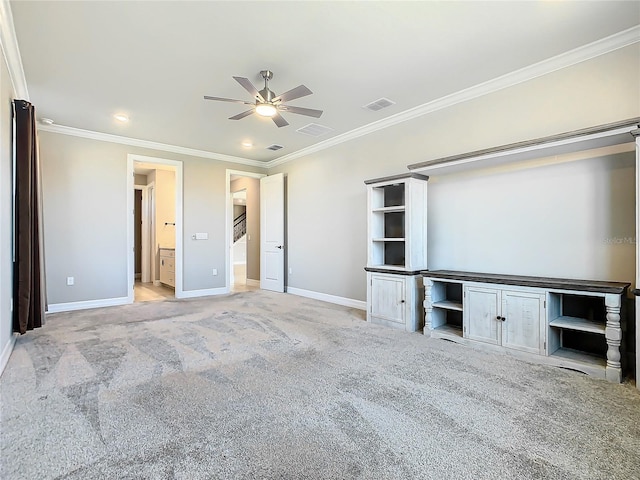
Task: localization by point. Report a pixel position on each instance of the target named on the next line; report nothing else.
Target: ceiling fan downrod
(267, 94)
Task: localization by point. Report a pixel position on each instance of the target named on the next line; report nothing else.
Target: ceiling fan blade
(310, 112)
(279, 121)
(220, 99)
(248, 86)
(242, 115)
(298, 92)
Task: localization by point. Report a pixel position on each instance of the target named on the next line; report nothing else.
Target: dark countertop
(541, 282)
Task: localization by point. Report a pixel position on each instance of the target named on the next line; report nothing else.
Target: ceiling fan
(267, 104)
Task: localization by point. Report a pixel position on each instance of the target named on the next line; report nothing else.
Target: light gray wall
(85, 228)
(252, 186)
(327, 196)
(565, 220)
(6, 205)
(85, 206)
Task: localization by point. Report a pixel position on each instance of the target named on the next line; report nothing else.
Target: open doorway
(243, 230)
(155, 229)
(239, 249)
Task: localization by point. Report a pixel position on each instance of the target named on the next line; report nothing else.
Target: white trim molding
(6, 352)
(325, 297)
(179, 227)
(84, 305)
(205, 292)
(9, 43)
(135, 142)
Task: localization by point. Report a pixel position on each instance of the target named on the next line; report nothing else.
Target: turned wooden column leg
(613, 334)
(428, 309)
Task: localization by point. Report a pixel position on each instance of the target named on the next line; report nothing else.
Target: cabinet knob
(401, 301)
(498, 317)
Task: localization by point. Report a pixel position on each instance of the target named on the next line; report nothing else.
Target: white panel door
(388, 297)
(272, 232)
(481, 318)
(522, 327)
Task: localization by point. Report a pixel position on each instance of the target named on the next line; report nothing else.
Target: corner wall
(480, 223)
(6, 215)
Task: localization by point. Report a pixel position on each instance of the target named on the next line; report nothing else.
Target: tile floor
(148, 292)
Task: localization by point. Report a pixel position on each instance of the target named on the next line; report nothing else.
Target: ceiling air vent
(314, 130)
(379, 104)
(274, 147)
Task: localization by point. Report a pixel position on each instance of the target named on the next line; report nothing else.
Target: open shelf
(580, 324)
(395, 209)
(579, 356)
(448, 305)
(447, 330)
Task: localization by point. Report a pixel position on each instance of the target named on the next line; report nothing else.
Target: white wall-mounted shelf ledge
(601, 136)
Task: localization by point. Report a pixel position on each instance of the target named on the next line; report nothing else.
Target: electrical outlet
(215, 272)
(70, 281)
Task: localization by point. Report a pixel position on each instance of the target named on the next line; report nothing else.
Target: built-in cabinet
(167, 267)
(576, 324)
(396, 249)
(509, 318)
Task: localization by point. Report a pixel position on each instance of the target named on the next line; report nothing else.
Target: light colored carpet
(259, 385)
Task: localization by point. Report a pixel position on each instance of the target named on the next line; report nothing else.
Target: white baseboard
(6, 352)
(203, 292)
(253, 283)
(325, 297)
(105, 302)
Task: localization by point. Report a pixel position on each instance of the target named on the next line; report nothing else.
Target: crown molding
(134, 142)
(544, 67)
(9, 44)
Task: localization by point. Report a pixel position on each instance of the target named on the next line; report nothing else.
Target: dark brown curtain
(28, 284)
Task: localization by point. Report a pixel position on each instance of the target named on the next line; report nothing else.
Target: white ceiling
(154, 61)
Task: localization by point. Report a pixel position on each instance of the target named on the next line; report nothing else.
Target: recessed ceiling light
(46, 121)
(121, 117)
(247, 144)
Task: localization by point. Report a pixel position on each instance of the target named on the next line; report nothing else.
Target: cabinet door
(481, 314)
(388, 297)
(522, 327)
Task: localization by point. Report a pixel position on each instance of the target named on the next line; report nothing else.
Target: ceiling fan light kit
(266, 109)
(267, 104)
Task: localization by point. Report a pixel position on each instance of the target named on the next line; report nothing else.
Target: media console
(575, 324)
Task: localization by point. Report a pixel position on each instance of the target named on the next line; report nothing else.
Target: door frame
(229, 220)
(131, 159)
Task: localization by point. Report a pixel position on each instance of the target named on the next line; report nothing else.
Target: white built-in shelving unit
(397, 249)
